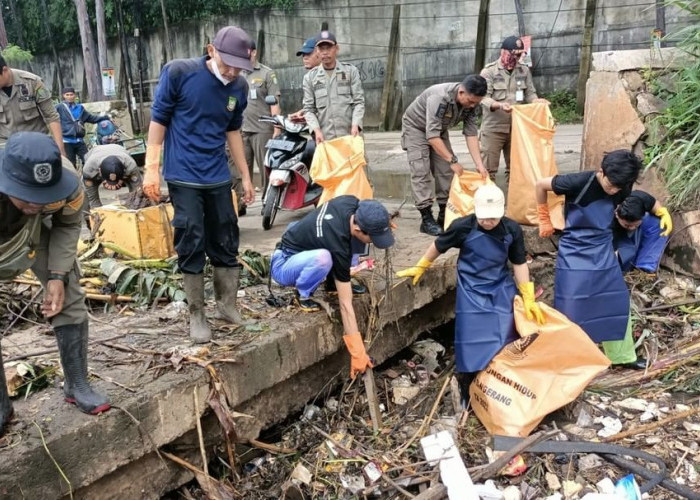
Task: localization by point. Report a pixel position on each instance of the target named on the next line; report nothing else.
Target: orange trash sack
(339, 167)
(461, 199)
(531, 159)
(542, 371)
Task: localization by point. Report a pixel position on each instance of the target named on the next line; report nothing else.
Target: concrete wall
(437, 40)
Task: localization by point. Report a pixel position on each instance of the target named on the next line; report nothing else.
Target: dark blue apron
(485, 291)
(626, 244)
(588, 287)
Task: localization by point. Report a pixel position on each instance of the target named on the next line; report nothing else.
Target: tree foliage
(14, 54)
(64, 27)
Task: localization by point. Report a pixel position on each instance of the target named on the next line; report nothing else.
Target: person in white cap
(484, 320)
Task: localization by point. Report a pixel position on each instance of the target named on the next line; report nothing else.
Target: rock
(600, 133)
(671, 293)
(633, 404)
(611, 426)
(571, 488)
(512, 493)
(584, 418)
(691, 426)
(301, 474)
(553, 482)
(632, 81)
(590, 461)
(656, 131)
(650, 182)
(625, 60)
(648, 103)
(683, 250)
(403, 390)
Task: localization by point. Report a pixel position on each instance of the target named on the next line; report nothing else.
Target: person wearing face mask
(111, 167)
(310, 59)
(484, 320)
(509, 83)
(197, 110)
(588, 284)
(425, 136)
(639, 239)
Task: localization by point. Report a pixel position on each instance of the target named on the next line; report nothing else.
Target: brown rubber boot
(194, 289)
(226, 281)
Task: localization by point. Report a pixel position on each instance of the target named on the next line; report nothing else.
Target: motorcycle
(287, 163)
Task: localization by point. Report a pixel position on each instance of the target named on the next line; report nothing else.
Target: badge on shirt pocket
(519, 96)
(231, 103)
(253, 93)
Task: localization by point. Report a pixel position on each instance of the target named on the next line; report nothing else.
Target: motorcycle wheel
(271, 206)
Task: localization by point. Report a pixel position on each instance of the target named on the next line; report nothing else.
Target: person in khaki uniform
(26, 105)
(38, 186)
(425, 137)
(262, 82)
(334, 102)
(111, 166)
(509, 82)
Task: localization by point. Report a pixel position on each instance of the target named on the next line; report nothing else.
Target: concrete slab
(621, 60)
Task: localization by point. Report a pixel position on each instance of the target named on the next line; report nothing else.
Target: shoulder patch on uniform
(42, 92)
(442, 108)
(273, 77)
(231, 105)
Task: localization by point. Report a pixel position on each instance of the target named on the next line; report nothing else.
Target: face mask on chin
(217, 73)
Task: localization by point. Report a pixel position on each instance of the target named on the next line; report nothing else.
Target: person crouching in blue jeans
(321, 245)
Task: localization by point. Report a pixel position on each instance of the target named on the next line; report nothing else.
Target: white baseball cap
(489, 202)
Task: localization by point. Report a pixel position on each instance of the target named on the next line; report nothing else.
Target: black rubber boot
(640, 364)
(464, 380)
(226, 280)
(5, 403)
(194, 289)
(428, 224)
(72, 347)
(441, 216)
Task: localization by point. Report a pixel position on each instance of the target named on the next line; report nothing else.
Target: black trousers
(204, 225)
(74, 151)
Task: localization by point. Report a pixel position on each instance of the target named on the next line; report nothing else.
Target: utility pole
(392, 61)
(521, 17)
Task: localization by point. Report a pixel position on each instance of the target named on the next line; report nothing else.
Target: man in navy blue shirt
(73, 117)
(197, 110)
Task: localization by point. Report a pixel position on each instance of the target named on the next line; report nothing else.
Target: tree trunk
(92, 72)
(57, 61)
(16, 16)
(3, 32)
(101, 33)
(168, 41)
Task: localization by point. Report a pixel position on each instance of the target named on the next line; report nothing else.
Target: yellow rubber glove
(359, 360)
(151, 178)
(532, 308)
(416, 271)
(546, 228)
(666, 223)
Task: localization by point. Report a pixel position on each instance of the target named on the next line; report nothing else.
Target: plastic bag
(531, 159)
(544, 370)
(338, 166)
(461, 199)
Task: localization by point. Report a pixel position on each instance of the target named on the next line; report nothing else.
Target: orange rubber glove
(532, 308)
(666, 223)
(546, 228)
(151, 178)
(359, 360)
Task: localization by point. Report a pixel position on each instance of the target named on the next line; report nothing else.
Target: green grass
(563, 106)
(677, 156)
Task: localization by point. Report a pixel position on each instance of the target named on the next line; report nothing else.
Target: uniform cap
(31, 170)
(325, 37)
(489, 202)
(233, 45)
(308, 47)
(512, 43)
(112, 170)
(374, 220)
(68, 89)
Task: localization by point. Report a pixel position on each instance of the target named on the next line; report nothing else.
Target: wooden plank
(372, 400)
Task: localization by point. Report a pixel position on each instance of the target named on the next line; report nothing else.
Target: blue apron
(588, 287)
(626, 244)
(485, 291)
(643, 248)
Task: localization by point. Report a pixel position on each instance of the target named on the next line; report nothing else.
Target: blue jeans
(304, 270)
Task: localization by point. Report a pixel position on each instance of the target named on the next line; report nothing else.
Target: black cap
(31, 169)
(325, 37)
(308, 47)
(233, 45)
(512, 43)
(68, 89)
(374, 220)
(112, 170)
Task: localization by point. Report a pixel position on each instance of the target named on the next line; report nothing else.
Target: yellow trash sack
(339, 167)
(461, 199)
(544, 370)
(531, 159)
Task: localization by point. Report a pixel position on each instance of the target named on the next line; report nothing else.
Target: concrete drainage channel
(310, 451)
